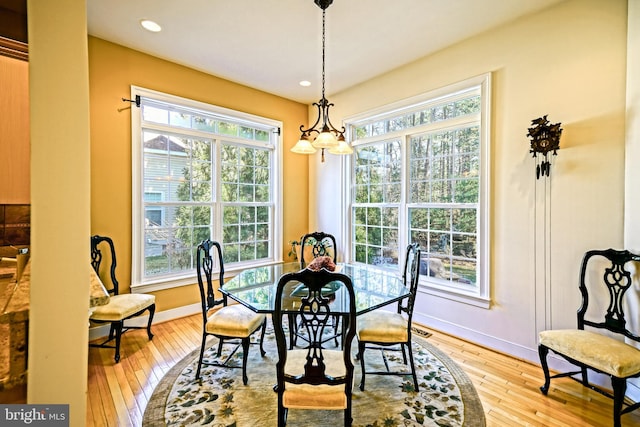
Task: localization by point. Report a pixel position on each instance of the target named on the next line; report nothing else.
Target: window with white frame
(201, 171)
(420, 174)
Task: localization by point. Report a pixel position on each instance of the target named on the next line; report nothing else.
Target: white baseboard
(102, 331)
(633, 389)
(515, 350)
(556, 363)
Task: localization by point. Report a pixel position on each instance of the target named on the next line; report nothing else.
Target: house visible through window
(420, 174)
(201, 172)
(153, 217)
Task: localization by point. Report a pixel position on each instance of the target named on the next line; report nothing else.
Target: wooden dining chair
(313, 377)
(319, 244)
(121, 307)
(232, 324)
(385, 330)
(608, 283)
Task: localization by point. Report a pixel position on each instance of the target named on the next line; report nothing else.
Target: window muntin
(444, 166)
(459, 105)
(440, 148)
(178, 166)
(161, 113)
(203, 174)
(378, 190)
(444, 194)
(245, 178)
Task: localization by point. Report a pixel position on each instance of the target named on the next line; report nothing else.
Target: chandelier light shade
(303, 146)
(342, 148)
(326, 134)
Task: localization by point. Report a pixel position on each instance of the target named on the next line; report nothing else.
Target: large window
(420, 174)
(200, 171)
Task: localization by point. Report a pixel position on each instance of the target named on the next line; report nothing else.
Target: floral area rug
(446, 396)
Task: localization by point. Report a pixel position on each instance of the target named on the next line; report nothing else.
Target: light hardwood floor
(508, 387)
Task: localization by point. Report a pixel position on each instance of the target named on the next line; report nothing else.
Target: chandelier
(326, 135)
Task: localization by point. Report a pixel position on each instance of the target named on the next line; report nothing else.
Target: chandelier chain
(323, 43)
(326, 134)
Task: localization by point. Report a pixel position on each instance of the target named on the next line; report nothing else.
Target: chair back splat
(232, 324)
(313, 376)
(616, 277)
(121, 307)
(598, 341)
(204, 270)
(97, 242)
(410, 278)
(321, 244)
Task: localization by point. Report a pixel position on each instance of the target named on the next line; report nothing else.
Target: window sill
(160, 284)
(457, 296)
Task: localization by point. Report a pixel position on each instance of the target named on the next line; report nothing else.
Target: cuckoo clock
(545, 138)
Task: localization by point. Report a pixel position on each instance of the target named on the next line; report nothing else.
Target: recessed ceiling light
(150, 25)
(305, 83)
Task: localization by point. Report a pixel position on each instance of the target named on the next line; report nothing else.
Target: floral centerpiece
(321, 262)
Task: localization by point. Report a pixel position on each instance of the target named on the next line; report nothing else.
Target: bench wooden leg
(619, 386)
(542, 352)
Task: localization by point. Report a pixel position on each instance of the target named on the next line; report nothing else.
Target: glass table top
(374, 287)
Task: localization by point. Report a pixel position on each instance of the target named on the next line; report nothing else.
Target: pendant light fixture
(327, 136)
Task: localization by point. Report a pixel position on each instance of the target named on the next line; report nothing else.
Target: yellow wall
(14, 131)
(112, 70)
(60, 201)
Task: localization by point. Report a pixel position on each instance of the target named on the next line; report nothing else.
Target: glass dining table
(374, 287)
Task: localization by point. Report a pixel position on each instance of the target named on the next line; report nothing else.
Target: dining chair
(391, 331)
(231, 324)
(603, 340)
(313, 377)
(320, 244)
(121, 307)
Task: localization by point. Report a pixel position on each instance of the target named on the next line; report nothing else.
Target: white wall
(632, 171)
(632, 154)
(569, 62)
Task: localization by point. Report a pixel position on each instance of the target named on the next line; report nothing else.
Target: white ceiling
(274, 44)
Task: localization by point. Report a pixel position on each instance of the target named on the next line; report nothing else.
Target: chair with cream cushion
(598, 342)
(229, 323)
(313, 377)
(386, 330)
(121, 307)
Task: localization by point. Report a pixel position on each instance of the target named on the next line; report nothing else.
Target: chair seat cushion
(381, 326)
(234, 321)
(122, 306)
(602, 352)
(307, 396)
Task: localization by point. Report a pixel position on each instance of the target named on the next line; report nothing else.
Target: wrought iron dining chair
(385, 330)
(608, 281)
(121, 307)
(232, 324)
(320, 244)
(313, 377)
